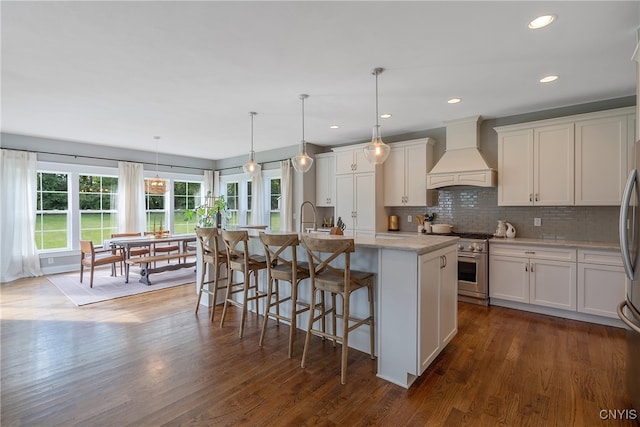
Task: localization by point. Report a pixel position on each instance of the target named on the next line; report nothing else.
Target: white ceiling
(118, 73)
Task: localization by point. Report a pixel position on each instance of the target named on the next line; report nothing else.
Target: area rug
(106, 287)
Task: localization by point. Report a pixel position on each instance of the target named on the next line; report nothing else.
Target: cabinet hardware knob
(530, 197)
(536, 197)
(526, 267)
(532, 268)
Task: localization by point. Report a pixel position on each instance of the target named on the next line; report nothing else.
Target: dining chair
(209, 239)
(238, 259)
(89, 259)
(163, 248)
(282, 265)
(321, 252)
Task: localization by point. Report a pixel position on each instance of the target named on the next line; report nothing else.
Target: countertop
(578, 244)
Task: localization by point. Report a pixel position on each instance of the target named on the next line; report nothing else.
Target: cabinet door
(415, 175)
(515, 168)
(601, 160)
(553, 165)
(448, 297)
(364, 196)
(553, 284)
(325, 180)
(509, 278)
(600, 289)
(344, 162)
(344, 201)
(394, 178)
(361, 162)
(428, 310)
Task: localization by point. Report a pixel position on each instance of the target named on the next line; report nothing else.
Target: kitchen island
(415, 300)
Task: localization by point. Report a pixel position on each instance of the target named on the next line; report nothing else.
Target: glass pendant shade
(302, 161)
(376, 151)
(251, 167)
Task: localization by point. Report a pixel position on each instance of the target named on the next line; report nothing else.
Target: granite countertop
(421, 244)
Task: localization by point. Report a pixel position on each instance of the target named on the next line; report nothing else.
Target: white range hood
(462, 162)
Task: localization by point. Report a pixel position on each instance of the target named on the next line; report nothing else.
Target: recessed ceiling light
(454, 100)
(541, 21)
(334, 127)
(385, 115)
(548, 79)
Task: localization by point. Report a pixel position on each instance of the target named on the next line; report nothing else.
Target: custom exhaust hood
(462, 162)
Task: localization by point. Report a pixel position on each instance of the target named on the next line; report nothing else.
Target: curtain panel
(18, 187)
(131, 203)
(286, 199)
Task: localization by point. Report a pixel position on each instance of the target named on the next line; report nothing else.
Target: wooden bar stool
(238, 259)
(343, 282)
(212, 256)
(284, 268)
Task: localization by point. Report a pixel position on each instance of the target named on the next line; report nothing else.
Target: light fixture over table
(376, 151)
(302, 161)
(156, 185)
(252, 168)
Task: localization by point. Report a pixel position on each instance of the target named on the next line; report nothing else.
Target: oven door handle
(469, 257)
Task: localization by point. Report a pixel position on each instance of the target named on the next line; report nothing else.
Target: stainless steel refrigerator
(629, 308)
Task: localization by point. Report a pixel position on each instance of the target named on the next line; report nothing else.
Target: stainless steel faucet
(302, 222)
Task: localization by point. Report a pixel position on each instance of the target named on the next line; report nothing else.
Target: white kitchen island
(416, 304)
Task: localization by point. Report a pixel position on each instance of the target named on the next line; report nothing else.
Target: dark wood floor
(149, 361)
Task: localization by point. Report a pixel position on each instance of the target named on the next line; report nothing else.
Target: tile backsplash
(475, 209)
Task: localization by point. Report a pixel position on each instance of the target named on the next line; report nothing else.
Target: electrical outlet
(537, 222)
(50, 260)
(409, 219)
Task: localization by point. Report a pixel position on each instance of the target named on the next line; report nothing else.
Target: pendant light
(302, 161)
(376, 151)
(156, 185)
(252, 168)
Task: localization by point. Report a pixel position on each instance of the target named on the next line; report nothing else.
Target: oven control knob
(479, 248)
(460, 247)
(471, 248)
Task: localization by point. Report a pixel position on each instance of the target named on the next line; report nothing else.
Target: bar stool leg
(267, 309)
(345, 337)
(307, 339)
(215, 291)
(202, 275)
(227, 295)
(245, 294)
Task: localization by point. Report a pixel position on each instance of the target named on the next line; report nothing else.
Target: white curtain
(18, 186)
(131, 204)
(286, 199)
(258, 212)
(208, 186)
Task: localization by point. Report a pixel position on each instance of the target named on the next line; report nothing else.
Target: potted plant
(208, 214)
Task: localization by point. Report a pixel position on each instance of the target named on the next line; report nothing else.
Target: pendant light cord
(251, 114)
(304, 143)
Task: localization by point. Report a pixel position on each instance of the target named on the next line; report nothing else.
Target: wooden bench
(145, 265)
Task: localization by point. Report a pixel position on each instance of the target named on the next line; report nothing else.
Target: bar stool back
(210, 243)
(238, 259)
(287, 268)
(324, 277)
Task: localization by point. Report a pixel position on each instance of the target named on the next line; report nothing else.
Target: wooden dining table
(128, 243)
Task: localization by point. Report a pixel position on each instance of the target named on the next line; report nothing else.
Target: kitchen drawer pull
(537, 197)
(531, 268)
(526, 268)
(530, 252)
(530, 197)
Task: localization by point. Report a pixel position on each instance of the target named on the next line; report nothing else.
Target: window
(155, 212)
(52, 211)
(186, 196)
(275, 193)
(239, 192)
(97, 201)
(233, 203)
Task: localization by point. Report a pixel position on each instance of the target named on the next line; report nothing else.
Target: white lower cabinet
(417, 310)
(601, 282)
(534, 275)
(437, 304)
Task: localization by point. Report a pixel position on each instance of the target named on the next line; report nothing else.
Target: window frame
(243, 199)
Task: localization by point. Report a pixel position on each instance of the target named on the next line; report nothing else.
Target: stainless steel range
(473, 267)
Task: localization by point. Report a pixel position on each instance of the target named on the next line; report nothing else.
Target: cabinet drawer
(591, 256)
(533, 252)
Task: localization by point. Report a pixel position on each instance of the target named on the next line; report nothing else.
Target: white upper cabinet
(405, 173)
(352, 160)
(576, 160)
(325, 179)
(602, 151)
